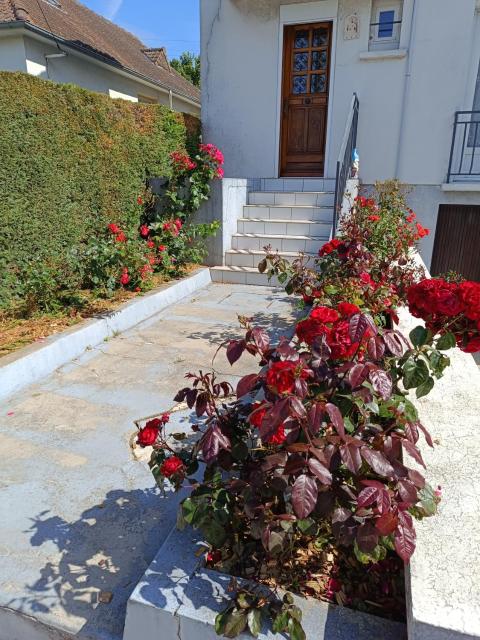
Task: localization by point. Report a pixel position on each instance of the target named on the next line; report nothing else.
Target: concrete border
(34, 362)
(178, 598)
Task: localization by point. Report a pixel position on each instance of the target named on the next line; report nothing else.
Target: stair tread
(275, 235)
(284, 221)
(315, 193)
(291, 206)
(227, 267)
(260, 252)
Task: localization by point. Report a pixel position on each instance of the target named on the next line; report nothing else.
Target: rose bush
(307, 483)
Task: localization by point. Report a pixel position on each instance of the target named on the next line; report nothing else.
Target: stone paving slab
(78, 515)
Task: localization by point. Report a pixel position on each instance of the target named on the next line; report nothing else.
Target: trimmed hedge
(71, 161)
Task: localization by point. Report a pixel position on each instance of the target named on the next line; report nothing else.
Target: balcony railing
(345, 159)
(464, 164)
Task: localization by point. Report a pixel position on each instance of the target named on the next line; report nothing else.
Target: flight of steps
(290, 214)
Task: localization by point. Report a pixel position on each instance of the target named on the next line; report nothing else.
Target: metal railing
(464, 163)
(345, 159)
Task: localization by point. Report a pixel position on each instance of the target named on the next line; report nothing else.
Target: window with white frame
(385, 25)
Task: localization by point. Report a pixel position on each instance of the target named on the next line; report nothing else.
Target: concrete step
(293, 212)
(242, 275)
(291, 198)
(252, 258)
(284, 227)
(279, 242)
(297, 184)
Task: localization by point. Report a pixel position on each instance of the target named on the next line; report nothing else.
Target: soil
(16, 333)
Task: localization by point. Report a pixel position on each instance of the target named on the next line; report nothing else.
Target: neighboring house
(277, 84)
(62, 40)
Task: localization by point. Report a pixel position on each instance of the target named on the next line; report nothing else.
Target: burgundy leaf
(381, 382)
(297, 408)
(357, 375)
(359, 325)
(383, 501)
(428, 437)
(201, 403)
(322, 473)
(320, 456)
(341, 515)
(407, 491)
(235, 349)
(336, 418)
(246, 384)
(320, 348)
(412, 450)
(411, 432)
(274, 418)
(295, 463)
(394, 343)
(404, 538)
(191, 396)
(417, 478)
(374, 483)
(315, 416)
(378, 462)
(274, 461)
(367, 537)
(387, 523)
(212, 441)
(260, 336)
(367, 496)
(304, 496)
(376, 348)
(350, 455)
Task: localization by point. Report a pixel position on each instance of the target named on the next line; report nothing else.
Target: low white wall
(12, 53)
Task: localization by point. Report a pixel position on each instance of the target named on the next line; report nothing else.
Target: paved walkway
(79, 517)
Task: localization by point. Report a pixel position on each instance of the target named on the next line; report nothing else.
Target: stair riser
(283, 228)
(250, 259)
(238, 277)
(290, 199)
(278, 244)
(288, 213)
(297, 184)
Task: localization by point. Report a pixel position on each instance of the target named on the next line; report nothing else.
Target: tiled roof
(81, 27)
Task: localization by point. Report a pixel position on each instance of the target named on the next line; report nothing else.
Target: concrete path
(80, 518)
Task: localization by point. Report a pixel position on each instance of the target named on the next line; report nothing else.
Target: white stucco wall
(26, 53)
(407, 103)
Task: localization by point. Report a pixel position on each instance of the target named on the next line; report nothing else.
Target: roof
(84, 29)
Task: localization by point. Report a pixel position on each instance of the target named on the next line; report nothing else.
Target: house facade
(64, 41)
(277, 86)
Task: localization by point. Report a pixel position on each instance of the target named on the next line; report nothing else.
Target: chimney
(158, 57)
(22, 14)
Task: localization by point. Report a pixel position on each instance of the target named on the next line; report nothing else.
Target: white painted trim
(474, 65)
(306, 13)
(379, 54)
(461, 187)
(35, 362)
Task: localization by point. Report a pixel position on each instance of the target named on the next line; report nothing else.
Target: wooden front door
(457, 241)
(306, 79)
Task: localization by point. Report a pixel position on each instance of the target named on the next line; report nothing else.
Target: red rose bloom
(120, 237)
(374, 218)
(469, 293)
(171, 466)
(161, 247)
(473, 346)
(324, 314)
(279, 437)
(150, 244)
(144, 231)
(281, 376)
(149, 434)
(257, 415)
(114, 228)
(339, 341)
(124, 278)
(421, 231)
(140, 200)
(346, 309)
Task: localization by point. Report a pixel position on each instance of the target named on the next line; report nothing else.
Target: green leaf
(295, 630)
(221, 620)
(308, 526)
(235, 623)
(445, 342)
(425, 388)
(214, 532)
(254, 619)
(427, 500)
(419, 336)
(280, 622)
(415, 373)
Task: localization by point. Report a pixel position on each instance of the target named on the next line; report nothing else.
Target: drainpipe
(406, 89)
(170, 99)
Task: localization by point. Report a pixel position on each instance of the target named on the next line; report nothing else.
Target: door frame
(308, 13)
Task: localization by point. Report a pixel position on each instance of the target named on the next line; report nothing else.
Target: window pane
(320, 37)
(319, 60)
(299, 84)
(386, 20)
(301, 39)
(318, 83)
(300, 61)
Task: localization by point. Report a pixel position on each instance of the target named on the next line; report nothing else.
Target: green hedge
(70, 162)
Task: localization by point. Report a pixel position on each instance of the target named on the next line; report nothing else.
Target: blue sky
(173, 24)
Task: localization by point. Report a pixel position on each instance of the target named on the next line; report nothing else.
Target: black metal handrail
(465, 149)
(345, 159)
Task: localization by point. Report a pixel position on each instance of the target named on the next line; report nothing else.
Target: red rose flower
(324, 314)
(171, 466)
(120, 237)
(140, 200)
(144, 231)
(346, 309)
(149, 434)
(114, 228)
(279, 437)
(374, 218)
(421, 231)
(257, 415)
(151, 244)
(124, 278)
(161, 247)
(339, 341)
(472, 346)
(469, 293)
(365, 278)
(281, 376)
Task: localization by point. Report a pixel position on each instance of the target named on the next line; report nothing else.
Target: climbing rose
(149, 434)
(140, 200)
(315, 325)
(171, 466)
(331, 246)
(114, 228)
(120, 237)
(279, 437)
(470, 296)
(421, 231)
(162, 247)
(374, 218)
(346, 309)
(257, 415)
(144, 231)
(124, 278)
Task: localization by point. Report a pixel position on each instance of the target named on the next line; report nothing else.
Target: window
(385, 26)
